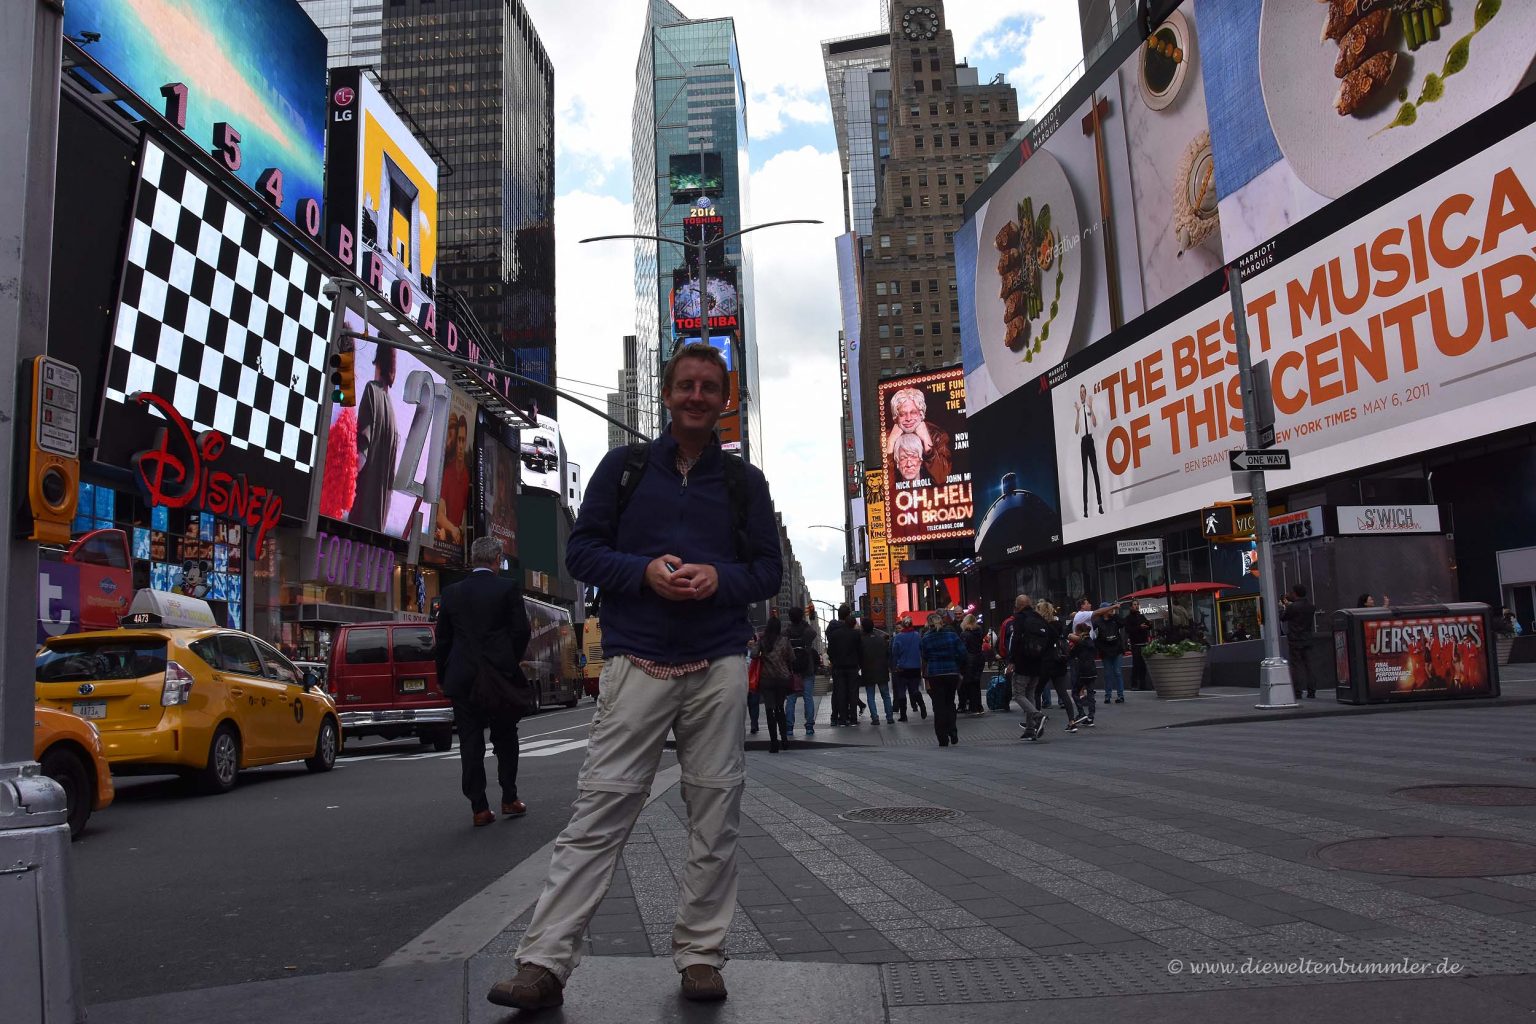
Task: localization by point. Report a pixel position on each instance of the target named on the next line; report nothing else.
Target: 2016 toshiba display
(925, 451)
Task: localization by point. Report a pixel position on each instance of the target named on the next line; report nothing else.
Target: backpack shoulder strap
(735, 469)
(636, 457)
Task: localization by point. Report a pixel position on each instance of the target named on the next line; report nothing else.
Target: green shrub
(1176, 649)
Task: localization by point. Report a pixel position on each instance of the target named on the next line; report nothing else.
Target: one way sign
(1247, 461)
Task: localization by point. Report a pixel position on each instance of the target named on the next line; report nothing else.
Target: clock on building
(920, 23)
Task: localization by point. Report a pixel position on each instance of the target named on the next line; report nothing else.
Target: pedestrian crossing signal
(343, 378)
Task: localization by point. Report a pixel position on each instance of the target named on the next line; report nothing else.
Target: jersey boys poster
(1424, 657)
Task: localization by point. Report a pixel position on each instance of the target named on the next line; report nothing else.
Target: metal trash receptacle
(1428, 652)
(42, 982)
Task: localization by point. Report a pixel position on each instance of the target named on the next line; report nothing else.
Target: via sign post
(1142, 546)
(1248, 461)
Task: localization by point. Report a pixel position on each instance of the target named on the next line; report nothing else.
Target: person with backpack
(1138, 629)
(681, 545)
(1053, 668)
(1028, 637)
(907, 669)
(975, 659)
(875, 669)
(776, 681)
(1083, 651)
(943, 658)
(1110, 643)
(803, 662)
(844, 651)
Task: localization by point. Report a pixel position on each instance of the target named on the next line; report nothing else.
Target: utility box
(1415, 653)
(42, 975)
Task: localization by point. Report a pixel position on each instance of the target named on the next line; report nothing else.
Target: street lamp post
(703, 256)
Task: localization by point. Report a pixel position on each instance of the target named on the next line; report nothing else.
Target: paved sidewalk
(1059, 878)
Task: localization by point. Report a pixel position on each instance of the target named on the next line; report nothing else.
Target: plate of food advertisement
(1353, 87)
(1028, 273)
(1165, 62)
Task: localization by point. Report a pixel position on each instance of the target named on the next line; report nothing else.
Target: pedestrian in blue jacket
(676, 578)
(943, 660)
(907, 669)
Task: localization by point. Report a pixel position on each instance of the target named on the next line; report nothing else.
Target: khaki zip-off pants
(703, 710)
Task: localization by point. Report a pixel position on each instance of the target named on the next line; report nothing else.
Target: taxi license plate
(90, 708)
(412, 685)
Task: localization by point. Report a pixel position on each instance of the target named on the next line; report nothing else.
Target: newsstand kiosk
(1421, 652)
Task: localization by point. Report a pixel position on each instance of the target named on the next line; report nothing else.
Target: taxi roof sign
(160, 608)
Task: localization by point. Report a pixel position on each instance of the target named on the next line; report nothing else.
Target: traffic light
(343, 376)
(53, 458)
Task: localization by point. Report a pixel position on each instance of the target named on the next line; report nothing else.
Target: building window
(928, 238)
(943, 179)
(922, 180)
(919, 140)
(911, 241)
(901, 352)
(906, 202)
(938, 86)
(954, 141)
(967, 106)
(935, 329)
(933, 110)
(1002, 105)
(954, 327)
(897, 331)
(895, 287)
(917, 65)
(881, 309)
(975, 140)
(978, 178)
(944, 199)
(991, 139)
(885, 330)
(917, 330)
(885, 351)
(954, 305)
(933, 63)
(906, 181)
(938, 142)
(933, 284)
(986, 106)
(895, 309)
(885, 241)
(918, 85)
(879, 287)
(923, 201)
(959, 198)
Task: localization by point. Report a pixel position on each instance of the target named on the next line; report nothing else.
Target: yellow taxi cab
(171, 690)
(69, 749)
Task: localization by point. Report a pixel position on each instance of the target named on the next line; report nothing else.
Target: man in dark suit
(482, 627)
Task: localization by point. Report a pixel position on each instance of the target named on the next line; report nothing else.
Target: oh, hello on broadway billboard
(925, 451)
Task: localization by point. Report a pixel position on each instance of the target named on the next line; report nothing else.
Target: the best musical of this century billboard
(1394, 312)
(246, 81)
(925, 456)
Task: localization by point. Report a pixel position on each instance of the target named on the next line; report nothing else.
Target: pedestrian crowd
(1036, 654)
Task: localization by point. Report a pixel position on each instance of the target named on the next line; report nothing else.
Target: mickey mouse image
(194, 577)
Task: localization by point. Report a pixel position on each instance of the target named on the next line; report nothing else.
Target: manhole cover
(1431, 856)
(901, 815)
(1473, 796)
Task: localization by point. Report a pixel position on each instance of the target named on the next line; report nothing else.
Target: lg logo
(344, 96)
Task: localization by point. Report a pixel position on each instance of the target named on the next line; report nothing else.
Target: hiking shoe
(532, 988)
(1120, 699)
(703, 983)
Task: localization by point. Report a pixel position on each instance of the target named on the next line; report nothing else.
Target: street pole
(1275, 690)
(40, 966)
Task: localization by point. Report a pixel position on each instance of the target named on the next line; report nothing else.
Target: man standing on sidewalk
(845, 652)
(804, 662)
(1028, 644)
(1298, 616)
(875, 668)
(907, 668)
(680, 544)
(482, 633)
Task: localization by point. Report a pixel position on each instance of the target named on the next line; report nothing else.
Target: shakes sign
(926, 456)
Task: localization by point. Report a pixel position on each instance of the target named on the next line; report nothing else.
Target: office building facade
(689, 155)
(476, 79)
(353, 30)
(627, 404)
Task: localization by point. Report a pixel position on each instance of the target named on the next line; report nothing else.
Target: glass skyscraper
(690, 103)
(353, 30)
(474, 76)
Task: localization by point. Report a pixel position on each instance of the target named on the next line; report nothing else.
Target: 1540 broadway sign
(179, 472)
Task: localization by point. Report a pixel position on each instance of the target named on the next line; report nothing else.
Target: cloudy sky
(594, 45)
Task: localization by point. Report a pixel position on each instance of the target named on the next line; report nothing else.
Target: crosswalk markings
(528, 748)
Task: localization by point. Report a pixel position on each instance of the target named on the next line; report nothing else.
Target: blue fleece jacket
(690, 519)
(906, 650)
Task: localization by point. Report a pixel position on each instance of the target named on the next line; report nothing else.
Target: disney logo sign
(178, 472)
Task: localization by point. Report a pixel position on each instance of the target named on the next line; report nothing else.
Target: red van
(383, 678)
